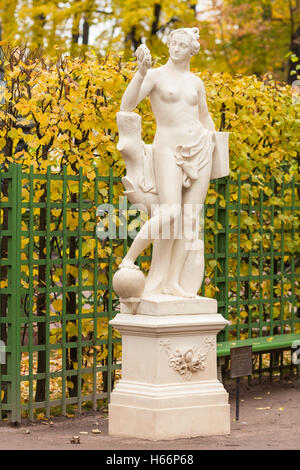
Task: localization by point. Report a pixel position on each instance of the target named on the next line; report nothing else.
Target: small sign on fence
(240, 362)
(240, 366)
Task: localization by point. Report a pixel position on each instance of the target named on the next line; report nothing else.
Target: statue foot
(127, 263)
(175, 289)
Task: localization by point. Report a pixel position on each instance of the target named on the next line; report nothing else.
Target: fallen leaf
(83, 432)
(281, 408)
(257, 398)
(96, 431)
(264, 408)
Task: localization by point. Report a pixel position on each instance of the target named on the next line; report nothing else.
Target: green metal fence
(56, 296)
(259, 274)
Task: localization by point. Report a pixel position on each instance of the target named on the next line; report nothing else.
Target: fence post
(14, 294)
(222, 188)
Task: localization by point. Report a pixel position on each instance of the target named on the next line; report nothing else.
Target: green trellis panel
(12, 316)
(24, 328)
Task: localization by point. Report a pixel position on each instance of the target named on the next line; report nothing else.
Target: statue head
(187, 38)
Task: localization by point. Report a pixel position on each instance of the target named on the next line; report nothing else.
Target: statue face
(179, 47)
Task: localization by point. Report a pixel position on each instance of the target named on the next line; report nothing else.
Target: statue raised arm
(171, 176)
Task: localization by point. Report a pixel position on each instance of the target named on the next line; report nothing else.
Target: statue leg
(169, 185)
(153, 229)
(187, 250)
(159, 268)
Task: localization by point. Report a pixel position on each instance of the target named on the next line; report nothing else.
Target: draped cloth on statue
(191, 158)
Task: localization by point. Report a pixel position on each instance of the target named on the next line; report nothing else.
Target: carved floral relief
(189, 360)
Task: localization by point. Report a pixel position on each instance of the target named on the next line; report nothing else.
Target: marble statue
(169, 387)
(173, 174)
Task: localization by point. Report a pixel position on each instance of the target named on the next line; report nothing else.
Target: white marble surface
(174, 171)
(171, 305)
(169, 387)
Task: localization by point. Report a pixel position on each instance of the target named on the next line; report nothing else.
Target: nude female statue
(182, 157)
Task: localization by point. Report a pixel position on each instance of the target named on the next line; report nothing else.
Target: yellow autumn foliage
(61, 116)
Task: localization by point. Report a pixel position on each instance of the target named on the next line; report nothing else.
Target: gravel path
(269, 419)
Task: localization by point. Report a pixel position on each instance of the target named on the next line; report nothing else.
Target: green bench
(264, 344)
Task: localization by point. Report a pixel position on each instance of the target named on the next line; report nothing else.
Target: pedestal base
(171, 412)
(169, 387)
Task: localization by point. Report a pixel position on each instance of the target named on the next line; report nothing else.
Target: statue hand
(144, 59)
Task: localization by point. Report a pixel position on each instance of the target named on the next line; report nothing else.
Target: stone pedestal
(169, 387)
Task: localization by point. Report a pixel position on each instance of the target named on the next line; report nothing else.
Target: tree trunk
(85, 32)
(38, 28)
(295, 49)
(157, 10)
(72, 356)
(75, 33)
(41, 303)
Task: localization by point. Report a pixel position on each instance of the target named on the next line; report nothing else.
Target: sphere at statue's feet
(129, 283)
